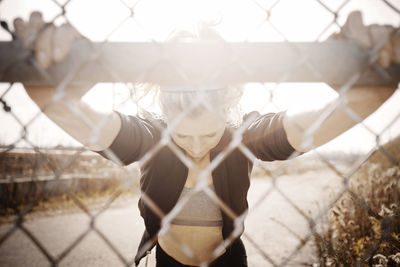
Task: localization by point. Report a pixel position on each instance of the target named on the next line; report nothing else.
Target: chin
(198, 157)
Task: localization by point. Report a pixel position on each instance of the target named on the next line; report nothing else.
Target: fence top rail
(333, 62)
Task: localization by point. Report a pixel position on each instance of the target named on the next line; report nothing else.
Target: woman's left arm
(362, 100)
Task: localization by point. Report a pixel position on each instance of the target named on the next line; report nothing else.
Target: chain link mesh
(319, 229)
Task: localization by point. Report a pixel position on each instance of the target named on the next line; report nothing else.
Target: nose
(197, 146)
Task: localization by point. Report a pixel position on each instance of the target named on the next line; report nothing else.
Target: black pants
(234, 256)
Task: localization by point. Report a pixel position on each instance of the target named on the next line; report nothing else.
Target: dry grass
(65, 204)
(28, 182)
(364, 224)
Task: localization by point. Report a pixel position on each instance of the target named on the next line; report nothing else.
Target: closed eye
(211, 135)
(186, 136)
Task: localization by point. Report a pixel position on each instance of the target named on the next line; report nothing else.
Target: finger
(336, 36)
(64, 37)
(384, 58)
(379, 33)
(20, 28)
(36, 21)
(380, 36)
(396, 46)
(27, 31)
(44, 46)
(355, 29)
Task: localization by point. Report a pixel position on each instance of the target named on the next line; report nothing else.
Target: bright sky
(240, 20)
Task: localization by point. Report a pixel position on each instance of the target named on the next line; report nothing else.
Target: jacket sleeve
(266, 138)
(134, 139)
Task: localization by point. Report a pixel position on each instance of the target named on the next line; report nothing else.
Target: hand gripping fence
(370, 202)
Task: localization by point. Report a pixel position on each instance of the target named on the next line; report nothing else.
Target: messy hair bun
(222, 99)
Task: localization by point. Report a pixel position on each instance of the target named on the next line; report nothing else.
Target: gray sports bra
(200, 210)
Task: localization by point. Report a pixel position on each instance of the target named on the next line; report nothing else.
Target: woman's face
(198, 135)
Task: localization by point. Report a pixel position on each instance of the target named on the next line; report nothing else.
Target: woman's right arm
(91, 128)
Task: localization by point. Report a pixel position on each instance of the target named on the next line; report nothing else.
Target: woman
(198, 122)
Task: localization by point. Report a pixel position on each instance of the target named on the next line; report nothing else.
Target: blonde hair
(224, 102)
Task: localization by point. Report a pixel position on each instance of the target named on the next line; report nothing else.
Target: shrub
(364, 224)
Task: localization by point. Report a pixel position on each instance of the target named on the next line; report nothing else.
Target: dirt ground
(273, 226)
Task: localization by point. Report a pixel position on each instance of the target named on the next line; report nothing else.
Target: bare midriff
(202, 241)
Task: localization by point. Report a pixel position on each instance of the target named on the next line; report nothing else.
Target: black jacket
(163, 175)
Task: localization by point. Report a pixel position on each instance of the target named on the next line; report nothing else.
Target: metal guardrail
(202, 62)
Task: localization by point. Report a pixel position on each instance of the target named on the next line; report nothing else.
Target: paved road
(122, 225)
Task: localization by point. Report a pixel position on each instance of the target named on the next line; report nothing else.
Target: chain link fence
(354, 206)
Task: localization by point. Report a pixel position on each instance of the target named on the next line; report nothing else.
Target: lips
(196, 155)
